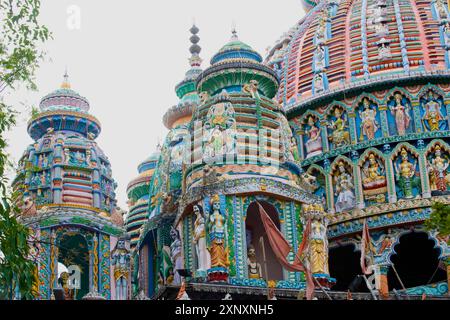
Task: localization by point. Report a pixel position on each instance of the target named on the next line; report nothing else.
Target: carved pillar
(424, 178)
(417, 117)
(384, 121)
(324, 135)
(352, 125)
(300, 134)
(358, 185)
(390, 176)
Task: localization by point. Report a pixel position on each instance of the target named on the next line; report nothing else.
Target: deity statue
(120, 261)
(88, 157)
(437, 168)
(373, 173)
(319, 246)
(294, 150)
(441, 9)
(254, 268)
(66, 155)
(339, 136)
(203, 256)
(175, 255)
(314, 143)
(433, 115)
(344, 189)
(405, 175)
(219, 255)
(369, 124)
(318, 83)
(446, 33)
(401, 114)
(384, 50)
(63, 280)
(319, 58)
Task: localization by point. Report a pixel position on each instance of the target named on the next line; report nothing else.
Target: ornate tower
(66, 193)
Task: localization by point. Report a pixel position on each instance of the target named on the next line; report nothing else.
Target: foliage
(439, 219)
(20, 37)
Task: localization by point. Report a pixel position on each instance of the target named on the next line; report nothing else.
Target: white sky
(127, 57)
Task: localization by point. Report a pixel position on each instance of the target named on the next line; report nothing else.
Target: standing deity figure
(437, 169)
(433, 115)
(446, 33)
(318, 83)
(344, 190)
(441, 9)
(319, 58)
(254, 268)
(69, 294)
(314, 143)
(401, 114)
(120, 261)
(319, 246)
(294, 150)
(88, 157)
(406, 175)
(369, 125)
(339, 136)
(203, 257)
(219, 255)
(66, 155)
(175, 255)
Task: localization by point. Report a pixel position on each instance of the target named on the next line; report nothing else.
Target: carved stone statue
(120, 261)
(369, 125)
(437, 168)
(344, 189)
(339, 136)
(314, 143)
(374, 179)
(319, 246)
(405, 175)
(217, 223)
(254, 268)
(203, 256)
(433, 116)
(401, 114)
(175, 255)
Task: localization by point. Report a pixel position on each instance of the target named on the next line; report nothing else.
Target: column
(384, 121)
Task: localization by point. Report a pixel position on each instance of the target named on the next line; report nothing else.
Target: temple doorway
(150, 273)
(344, 263)
(73, 257)
(271, 268)
(416, 260)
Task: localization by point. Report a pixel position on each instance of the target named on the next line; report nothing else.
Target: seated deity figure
(254, 268)
(120, 261)
(373, 174)
(433, 116)
(314, 143)
(344, 190)
(203, 257)
(406, 175)
(175, 255)
(437, 168)
(219, 255)
(339, 136)
(369, 124)
(401, 114)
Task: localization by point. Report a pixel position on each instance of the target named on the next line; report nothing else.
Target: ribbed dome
(343, 44)
(64, 99)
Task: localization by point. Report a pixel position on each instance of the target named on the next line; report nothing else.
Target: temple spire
(195, 49)
(234, 36)
(66, 83)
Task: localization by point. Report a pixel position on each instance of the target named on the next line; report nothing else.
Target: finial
(195, 49)
(66, 84)
(234, 36)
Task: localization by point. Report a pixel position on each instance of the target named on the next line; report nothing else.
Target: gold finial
(215, 198)
(65, 84)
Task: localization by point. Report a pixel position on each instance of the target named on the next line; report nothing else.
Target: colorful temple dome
(65, 166)
(341, 45)
(233, 66)
(138, 197)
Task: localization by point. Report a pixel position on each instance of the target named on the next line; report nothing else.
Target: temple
(342, 127)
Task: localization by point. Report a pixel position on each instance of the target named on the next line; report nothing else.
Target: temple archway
(73, 252)
(416, 260)
(271, 268)
(344, 264)
(149, 274)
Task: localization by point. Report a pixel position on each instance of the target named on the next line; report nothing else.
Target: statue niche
(399, 117)
(338, 130)
(434, 116)
(219, 135)
(368, 120)
(407, 175)
(312, 137)
(374, 181)
(437, 167)
(344, 188)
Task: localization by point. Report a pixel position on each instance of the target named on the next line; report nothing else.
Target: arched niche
(416, 259)
(373, 177)
(338, 126)
(343, 184)
(368, 120)
(438, 160)
(320, 183)
(405, 161)
(433, 112)
(400, 115)
(312, 137)
(257, 238)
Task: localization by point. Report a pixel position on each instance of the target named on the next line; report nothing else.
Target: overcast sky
(127, 56)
